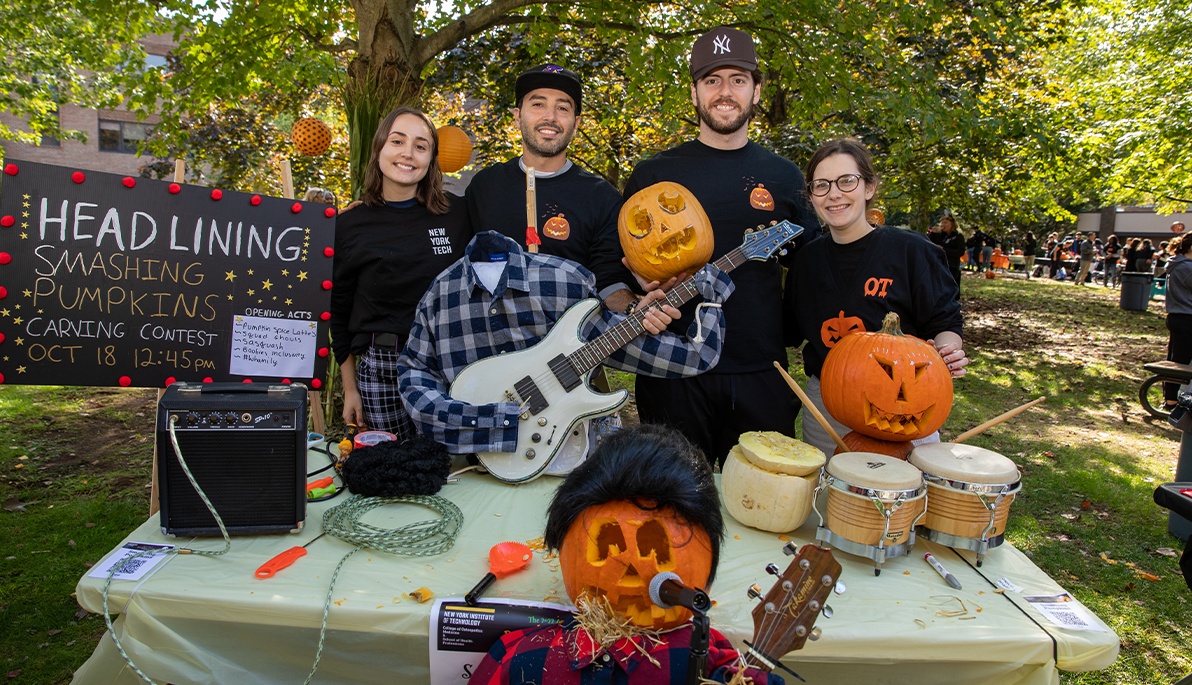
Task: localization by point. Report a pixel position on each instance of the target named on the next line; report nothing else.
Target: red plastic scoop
(503, 559)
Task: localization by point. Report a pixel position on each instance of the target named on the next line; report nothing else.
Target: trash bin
(1136, 290)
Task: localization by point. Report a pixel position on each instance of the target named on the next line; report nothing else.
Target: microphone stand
(697, 651)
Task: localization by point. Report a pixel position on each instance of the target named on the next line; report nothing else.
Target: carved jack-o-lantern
(557, 227)
(664, 232)
(761, 198)
(615, 549)
(887, 385)
(834, 329)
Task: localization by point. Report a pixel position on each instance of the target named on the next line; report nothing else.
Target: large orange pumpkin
(859, 442)
(310, 136)
(887, 385)
(664, 232)
(455, 149)
(615, 549)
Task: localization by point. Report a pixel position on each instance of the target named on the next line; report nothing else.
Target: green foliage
(1126, 77)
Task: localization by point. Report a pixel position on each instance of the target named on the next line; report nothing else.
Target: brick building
(112, 135)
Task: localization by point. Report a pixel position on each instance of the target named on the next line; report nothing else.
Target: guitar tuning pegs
(773, 569)
(840, 587)
(815, 634)
(827, 612)
(748, 231)
(755, 591)
(782, 251)
(790, 549)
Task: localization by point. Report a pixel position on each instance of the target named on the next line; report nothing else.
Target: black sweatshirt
(739, 189)
(577, 216)
(385, 258)
(900, 271)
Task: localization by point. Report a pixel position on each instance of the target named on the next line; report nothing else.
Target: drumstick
(996, 420)
(532, 239)
(812, 408)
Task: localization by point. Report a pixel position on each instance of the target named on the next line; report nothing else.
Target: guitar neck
(592, 354)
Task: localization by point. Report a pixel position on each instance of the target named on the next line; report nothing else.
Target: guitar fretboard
(592, 354)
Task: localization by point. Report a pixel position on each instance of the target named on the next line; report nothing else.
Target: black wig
(652, 465)
(417, 466)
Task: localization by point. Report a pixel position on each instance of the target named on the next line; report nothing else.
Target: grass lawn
(1090, 458)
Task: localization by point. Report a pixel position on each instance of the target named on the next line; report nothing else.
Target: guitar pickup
(530, 394)
(565, 372)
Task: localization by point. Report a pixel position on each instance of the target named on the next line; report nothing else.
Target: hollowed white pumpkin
(773, 502)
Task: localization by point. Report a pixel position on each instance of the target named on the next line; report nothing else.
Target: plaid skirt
(376, 379)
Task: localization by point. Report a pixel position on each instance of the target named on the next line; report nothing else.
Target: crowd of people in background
(1081, 258)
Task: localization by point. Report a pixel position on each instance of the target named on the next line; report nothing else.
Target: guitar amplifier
(245, 444)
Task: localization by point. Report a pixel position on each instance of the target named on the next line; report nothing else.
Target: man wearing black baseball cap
(740, 185)
(577, 210)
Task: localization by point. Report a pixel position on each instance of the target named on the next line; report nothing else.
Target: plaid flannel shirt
(459, 321)
(566, 655)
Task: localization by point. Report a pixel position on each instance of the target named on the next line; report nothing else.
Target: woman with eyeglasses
(858, 273)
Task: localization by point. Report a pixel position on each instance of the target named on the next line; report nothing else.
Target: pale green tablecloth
(209, 620)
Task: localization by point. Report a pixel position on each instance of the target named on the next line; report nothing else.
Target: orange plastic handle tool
(280, 561)
(321, 483)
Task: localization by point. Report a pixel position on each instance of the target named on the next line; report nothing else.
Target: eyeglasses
(846, 183)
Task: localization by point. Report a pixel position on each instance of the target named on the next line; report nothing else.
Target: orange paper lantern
(455, 149)
(875, 216)
(311, 136)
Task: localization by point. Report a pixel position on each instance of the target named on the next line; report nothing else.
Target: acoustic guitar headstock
(785, 617)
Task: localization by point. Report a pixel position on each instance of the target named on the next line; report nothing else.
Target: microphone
(667, 590)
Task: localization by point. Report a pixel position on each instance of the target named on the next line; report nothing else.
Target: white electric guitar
(550, 379)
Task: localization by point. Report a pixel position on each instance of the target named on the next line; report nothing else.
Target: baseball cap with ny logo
(722, 47)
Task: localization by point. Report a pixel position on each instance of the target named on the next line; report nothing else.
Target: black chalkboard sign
(112, 280)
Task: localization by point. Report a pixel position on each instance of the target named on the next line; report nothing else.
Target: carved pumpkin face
(615, 549)
(557, 227)
(664, 231)
(835, 329)
(887, 385)
(761, 198)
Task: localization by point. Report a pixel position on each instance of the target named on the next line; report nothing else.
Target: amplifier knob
(192, 419)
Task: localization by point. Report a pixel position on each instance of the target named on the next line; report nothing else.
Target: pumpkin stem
(891, 325)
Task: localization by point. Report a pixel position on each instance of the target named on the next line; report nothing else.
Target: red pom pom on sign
(326, 316)
(3, 292)
(296, 207)
(170, 381)
(7, 221)
(125, 381)
(328, 252)
(208, 379)
(1, 337)
(323, 351)
(5, 258)
(11, 170)
(329, 212)
(175, 188)
(316, 384)
(246, 380)
(216, 194)
(255, 200)
(78, 177)
(326, 285)
(129, 182)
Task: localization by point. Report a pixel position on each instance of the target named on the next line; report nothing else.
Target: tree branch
(316, 42)
(479, 19)
(1165, 196)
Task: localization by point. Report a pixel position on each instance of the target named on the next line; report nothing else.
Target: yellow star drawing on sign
(302, 275)
(289, 285)
(20, 341)
(250, 272)
(312, 325)
(251, 291)
(24, 235)
(306, 244)
(27, 197)
(40, 311)
(3, 312)
(27, 293)
(239, 319)
(304, 258)
(6, 359)
(285, 272)
(258, 302)
(25, 214)
(229, 297)
(17, 321)
(24, 224)
(20, 369)
(230, 276)
(289, 301)
(266, 285)
(24, 204)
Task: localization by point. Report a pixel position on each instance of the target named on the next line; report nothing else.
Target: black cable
(325, 450)
(1055, 647)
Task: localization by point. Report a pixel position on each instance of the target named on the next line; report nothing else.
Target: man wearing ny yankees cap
(577, 210)
(741, 185)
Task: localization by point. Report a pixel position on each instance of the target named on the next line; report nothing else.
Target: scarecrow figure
(643, 504)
